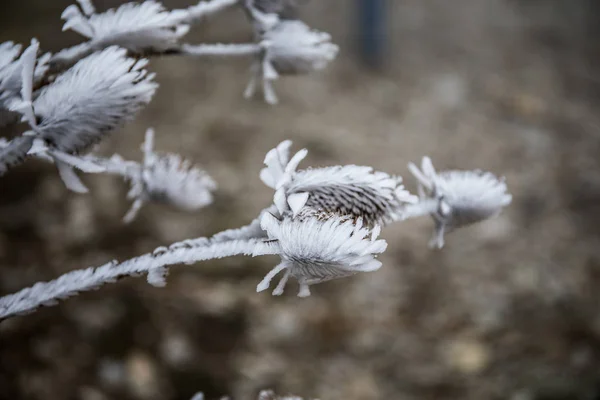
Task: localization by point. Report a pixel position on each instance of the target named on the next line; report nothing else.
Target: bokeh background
(509, 309)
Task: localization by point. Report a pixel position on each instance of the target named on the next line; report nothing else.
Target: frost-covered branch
(324, 224)
(71, 283)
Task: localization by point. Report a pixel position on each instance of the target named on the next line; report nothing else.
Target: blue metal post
(371, 25)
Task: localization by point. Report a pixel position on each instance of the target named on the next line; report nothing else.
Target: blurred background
(509, 309)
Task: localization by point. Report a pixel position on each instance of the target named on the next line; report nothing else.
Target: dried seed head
(294, 48)
(168, 179)
(458, 198)
(138, 27)
(90, 99)
(356, 191)
(315, 250)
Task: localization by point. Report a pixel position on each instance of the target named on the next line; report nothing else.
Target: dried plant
(324, 223)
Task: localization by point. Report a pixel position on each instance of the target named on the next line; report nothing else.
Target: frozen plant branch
(352, 250)
(324, 224)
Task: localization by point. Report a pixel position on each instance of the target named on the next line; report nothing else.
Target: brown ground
(509, 308)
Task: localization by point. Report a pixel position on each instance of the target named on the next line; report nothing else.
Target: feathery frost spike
(376, 197)
(290, 47)
(93, 97)
(457, 198)
(72, 283)
(168, 179)
(11, 75)
(317, 247)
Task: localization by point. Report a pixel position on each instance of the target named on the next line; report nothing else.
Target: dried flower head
(138, 27)
(168, 179)
(356, 191)
(315, 248)
(294, 48)
(457, 198)
(87, 101)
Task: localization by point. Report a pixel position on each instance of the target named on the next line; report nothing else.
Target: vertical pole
(371, 35)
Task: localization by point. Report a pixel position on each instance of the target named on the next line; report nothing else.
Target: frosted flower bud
(352, 190)
(458, 198)
(138, 27)
(294, 48)
(289, 47)
(167, 178)
(87, 101)
(315, 249)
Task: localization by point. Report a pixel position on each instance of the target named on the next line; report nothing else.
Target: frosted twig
(71, 283)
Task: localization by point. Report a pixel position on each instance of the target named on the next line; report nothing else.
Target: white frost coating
(349, 190)
(316, 249)
(71, 283)
(457, 198)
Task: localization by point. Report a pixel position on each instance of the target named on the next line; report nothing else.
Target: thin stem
(220, 50)
(207, 8)
(424, 207)
(71, 283)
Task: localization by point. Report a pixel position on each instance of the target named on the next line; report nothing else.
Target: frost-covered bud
(352, 190)
(290, 47)
(294, 48)
(138, 27)
(318, 248)
(457, 198)
(167, 178)
(87, 101)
